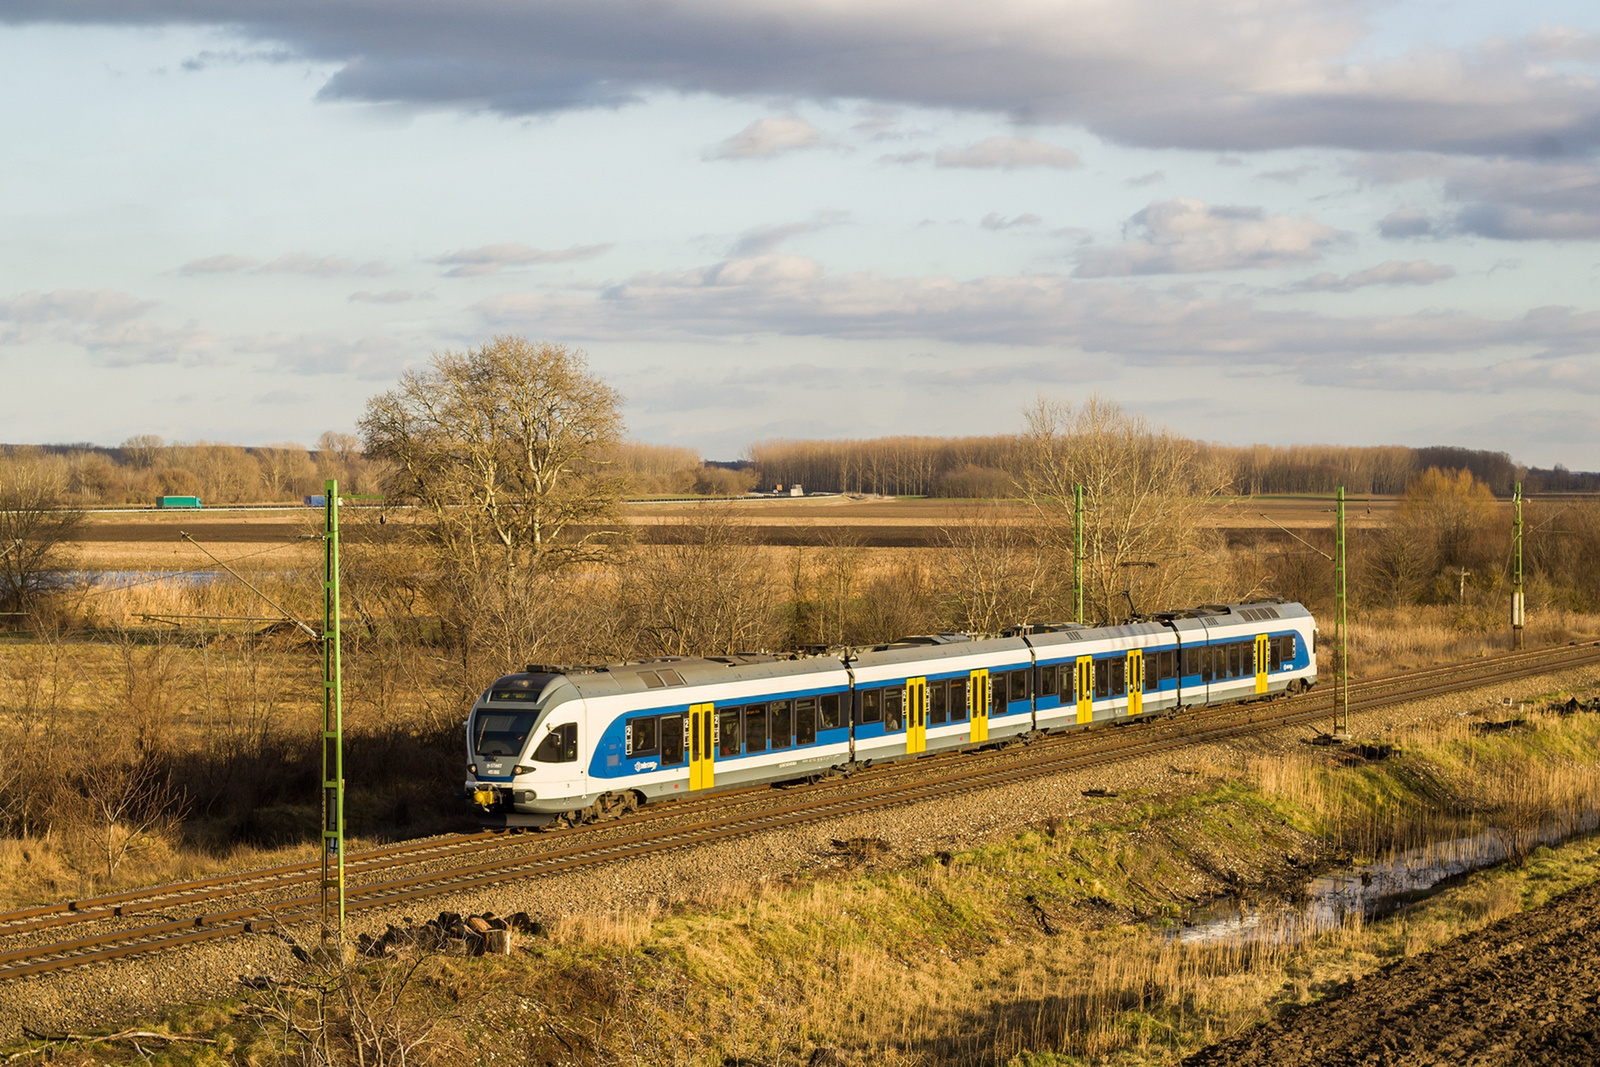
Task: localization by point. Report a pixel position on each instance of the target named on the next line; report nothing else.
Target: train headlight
(472, 768)
(521, 768)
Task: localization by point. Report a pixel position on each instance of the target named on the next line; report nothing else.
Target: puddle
(1372, 890)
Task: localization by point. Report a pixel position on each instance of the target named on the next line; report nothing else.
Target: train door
(702, 746)
(1085, 689)
(978, 704)
(1261, 663)
(1135, 682)
(916, 715)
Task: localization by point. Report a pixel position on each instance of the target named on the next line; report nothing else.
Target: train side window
(1148, 678)
(1049, 681)
(1119, 677)
(997, 694)
(872, 705)
(1102, 678)
(894, 709)
(1172, 663)
(728, 722)
(782, 721)
(560, 745)
(755, 728)
(642, 736)
(830, 712)
(938, 706)
(1069, 682)
(805, 721)
(1205, 663)
(671, 740)
(1017, 685)
(958, 700)
(1191, 661)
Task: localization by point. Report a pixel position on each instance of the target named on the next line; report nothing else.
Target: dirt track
(1525, 990)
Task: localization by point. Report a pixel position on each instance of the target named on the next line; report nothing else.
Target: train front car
(583, 744)
(522, 750)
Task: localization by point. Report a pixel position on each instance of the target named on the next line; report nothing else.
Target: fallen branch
(133, 1037)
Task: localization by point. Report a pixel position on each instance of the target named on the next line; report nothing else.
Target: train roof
(663, 673)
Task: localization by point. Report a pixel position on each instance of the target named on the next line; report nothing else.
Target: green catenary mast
(1077, 552)
(1341, 623)
(332, 729)
(1516, 568)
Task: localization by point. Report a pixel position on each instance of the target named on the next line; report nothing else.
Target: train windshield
(501, 733)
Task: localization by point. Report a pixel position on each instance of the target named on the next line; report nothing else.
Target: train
(564, 745)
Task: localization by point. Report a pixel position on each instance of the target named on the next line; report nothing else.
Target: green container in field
(178, 502)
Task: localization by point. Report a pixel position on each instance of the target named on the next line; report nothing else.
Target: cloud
(1288, 175)
(1392, 272)
(994, 221)
(391, 296)
(1186, 235)
(793, 296)
(288, 263)
(765, 138)
(491, 259)
(1502, 199)
(1147, 179)
(1213, 75)
(106, 323)
(1007, 153)
(226, 263)
(764, 239)
(1408, 222)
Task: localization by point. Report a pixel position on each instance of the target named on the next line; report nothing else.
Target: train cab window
(560, 745)
(830, 712)
(1049, 681)
(1119, 677)
(1017, 685)
(642, 736)
(958, 700)
(894, 709)
(672, 733)
(805, 720)
(755, 728)
(781, 720)
(728, 733)
(1102, 678)
(938, 703)
(872, 705)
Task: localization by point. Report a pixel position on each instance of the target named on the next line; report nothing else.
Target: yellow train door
(1085, 689)
(702, 746)
(978, 704)
(1136, 682)
(1261, 663)
(916, 715)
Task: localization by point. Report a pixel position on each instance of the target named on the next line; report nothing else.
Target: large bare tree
(505, 443)
(1146, 493)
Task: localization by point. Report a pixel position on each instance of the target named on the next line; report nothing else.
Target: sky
(1253, 221)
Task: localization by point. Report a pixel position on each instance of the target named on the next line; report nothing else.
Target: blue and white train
(572, 745)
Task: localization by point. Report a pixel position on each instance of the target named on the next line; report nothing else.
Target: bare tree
(1146, 493)
(707, 592)
(127, 805)
(994, 572)
(142, 450)
(506, 445)
(35, 533)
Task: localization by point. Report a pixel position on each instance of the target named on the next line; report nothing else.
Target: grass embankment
(1050, 947)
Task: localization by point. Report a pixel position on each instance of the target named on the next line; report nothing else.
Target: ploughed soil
(1525, 990)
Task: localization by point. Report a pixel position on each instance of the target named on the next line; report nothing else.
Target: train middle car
(574, 744)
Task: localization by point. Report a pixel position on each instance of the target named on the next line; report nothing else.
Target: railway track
(473, 861)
